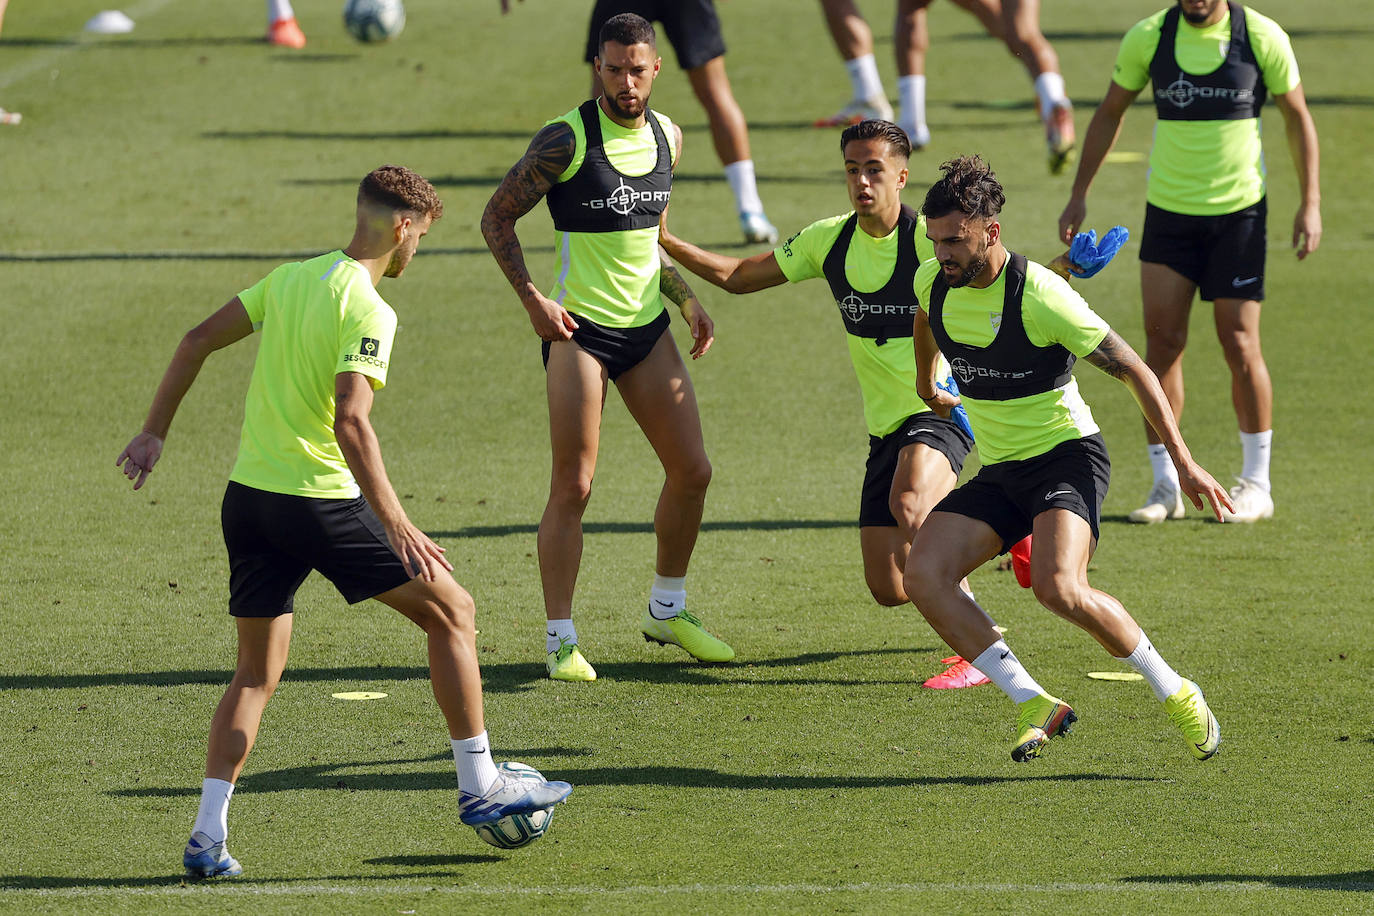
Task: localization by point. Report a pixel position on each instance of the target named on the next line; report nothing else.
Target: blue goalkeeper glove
(1087, 256)
(956, 413)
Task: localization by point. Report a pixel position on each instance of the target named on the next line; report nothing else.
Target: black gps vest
(887, 312)
(1232, 92)
(597, 198)
(1011, 366)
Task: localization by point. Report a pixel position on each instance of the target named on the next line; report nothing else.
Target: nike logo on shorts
(1238, 282)
(923, 429)
(1050, 496)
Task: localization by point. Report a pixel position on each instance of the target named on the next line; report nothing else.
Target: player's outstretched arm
(549, 154)
(1302, 143)
(1116, 358)
(228, 324)
(1097, 143)
(735, 275)
(358, 442)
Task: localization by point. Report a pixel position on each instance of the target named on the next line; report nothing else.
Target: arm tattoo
(671, 284)
(1113, 356)
(550, 152)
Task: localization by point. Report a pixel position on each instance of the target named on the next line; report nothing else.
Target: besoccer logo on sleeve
(371, 346)
(369, 353)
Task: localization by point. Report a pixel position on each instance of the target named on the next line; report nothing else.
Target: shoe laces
(564, 649)
(684, 614)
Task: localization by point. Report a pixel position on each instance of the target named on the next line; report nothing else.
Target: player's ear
(401, 227)
(994, 231)
(901, 178)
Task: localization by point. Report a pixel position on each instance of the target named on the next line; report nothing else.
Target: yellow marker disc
(358, 695)
(1125, 156)
(1115, 675)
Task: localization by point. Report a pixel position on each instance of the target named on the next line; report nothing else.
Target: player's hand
(550, 320)
(1075, 212)
(505, 6)
(419, 555)
(1197, 484)
(139, 456)
(703, 328)
(1307, 230)
(1061, 265)
(943, 402)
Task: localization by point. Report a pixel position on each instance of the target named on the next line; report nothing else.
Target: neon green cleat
(1190, 712)
(686, 631)
(567, 664)
(1037, 721)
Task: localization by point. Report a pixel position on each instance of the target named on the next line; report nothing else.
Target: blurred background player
(1014, 22)
(7, 117)
(1212, 63)
(282, 28)
(868, 257)
(1045, 466)
(309, 491)
(605, 171)
(693, 29)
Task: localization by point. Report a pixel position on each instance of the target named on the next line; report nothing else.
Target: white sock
(558, 632)
(741, 177)
(1162, 464)
(277, 10)
(863, 76)
(1002, 667)
(472, 757)
(213, 817)
(912, 91)
(1161, 677)
(1050, 88)
(1254, 450)
(668, 596)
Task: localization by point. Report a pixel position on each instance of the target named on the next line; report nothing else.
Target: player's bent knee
(692, 478)
(888, 595)
(1060, 594)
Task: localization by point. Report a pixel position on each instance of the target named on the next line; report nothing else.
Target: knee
(451, 614)
(1060, 593)
(920, 578)
(1164, 344)
(571, 491)
(693, 478)
(887, 590)
(1240, 347)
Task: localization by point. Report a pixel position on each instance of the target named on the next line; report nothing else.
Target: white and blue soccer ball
(374, 20)
(516, 830)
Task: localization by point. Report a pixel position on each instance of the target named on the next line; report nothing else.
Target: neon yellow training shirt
(612, 277)
(318, 318)
(1206, 168)
(1052, 312)
(887, 374)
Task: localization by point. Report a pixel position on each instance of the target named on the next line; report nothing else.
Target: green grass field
(157, 174)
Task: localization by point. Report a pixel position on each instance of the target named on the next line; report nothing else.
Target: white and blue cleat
(206, 859)
(510, 794)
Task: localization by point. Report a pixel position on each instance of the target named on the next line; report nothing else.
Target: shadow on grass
(1338, 881)
(61, 882)
(344, 777)
(496, 677)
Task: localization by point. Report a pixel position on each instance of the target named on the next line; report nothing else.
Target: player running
(1012, 332)
(309, 491)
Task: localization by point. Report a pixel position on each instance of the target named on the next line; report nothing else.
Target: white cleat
(757, 229)
(918, 134)
(856, 111)
(1164, 502)
(1252, 502)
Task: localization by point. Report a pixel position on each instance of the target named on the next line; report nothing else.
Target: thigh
(1072, 477)
(1236, 257)
(923, 477)
(1166, 299)
(658, 393)
(983, 499)
(264, 643)
(576, 385)
(1064, 543)
(951, 545)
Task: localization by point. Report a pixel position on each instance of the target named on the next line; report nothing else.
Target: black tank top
(1232, 92)
(597, 198)
(889, 311)
(1011, 366)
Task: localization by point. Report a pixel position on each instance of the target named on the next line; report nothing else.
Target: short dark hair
(969, 187)
(627, 29)
(402, 190)
(875, 129)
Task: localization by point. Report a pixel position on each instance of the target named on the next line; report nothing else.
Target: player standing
(605, 169)
(1212, 64)
(309, 491)
(1012, 331)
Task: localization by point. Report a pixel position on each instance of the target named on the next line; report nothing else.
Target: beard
(975, 267)
(625, 113)
(1197, 18)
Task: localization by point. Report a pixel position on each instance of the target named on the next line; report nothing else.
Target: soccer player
(1212, 64)
(868, 257)
(1014, 22)
(309, 491)
(7, 117)
(1012, 330)
(282, 28)
(606, 170)
(693, 29)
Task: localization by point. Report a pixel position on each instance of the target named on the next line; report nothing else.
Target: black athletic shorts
(618, 349)
(1223, 255)
(926, 428)
(692, 27)
(275, 539)
(1009, 495)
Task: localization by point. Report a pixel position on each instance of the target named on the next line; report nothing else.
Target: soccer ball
(374, 20)
(516, 830)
